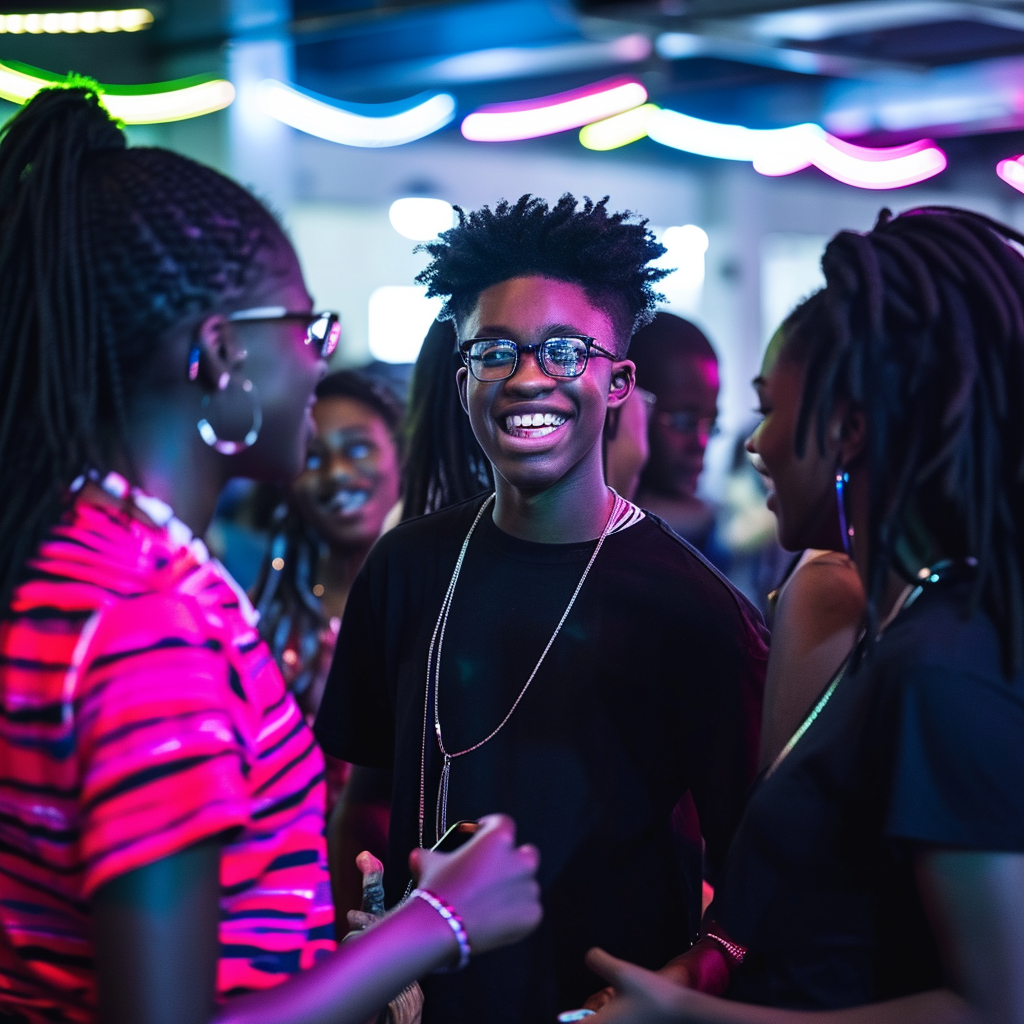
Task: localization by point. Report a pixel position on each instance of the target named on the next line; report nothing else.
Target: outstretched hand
(641, 996)
(489, 881)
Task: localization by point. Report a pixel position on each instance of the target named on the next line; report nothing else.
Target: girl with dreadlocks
(879, 868)
(162, 797)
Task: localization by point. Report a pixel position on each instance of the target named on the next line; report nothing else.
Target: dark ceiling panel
(947, 42)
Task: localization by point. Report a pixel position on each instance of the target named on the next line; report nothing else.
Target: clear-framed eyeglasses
(323, 330)
(493, 359)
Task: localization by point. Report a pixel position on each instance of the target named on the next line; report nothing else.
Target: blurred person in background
(877, 876)
(324, 529)
(592, 732)
(163, 852)
(676, 363)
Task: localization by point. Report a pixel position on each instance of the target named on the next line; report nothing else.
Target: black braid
(102, 249)
(921, 325)
(444, 463)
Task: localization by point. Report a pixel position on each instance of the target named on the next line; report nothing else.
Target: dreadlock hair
(102, 249)
(605, 253)
(921, 326)
(444, 464)
(291, 616)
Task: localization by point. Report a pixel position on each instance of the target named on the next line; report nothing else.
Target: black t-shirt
(652, 688)
(923, 743)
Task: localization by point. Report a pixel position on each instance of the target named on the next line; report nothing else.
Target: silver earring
(209, 434)
(845, 527)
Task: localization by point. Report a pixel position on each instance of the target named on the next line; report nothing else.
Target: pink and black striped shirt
(139, 714)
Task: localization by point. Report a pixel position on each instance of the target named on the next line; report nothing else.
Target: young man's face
(528, 310)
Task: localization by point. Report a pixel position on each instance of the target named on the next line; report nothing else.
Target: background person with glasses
(676, 362)
(549, 649)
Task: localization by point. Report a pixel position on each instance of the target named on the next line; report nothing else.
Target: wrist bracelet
(453, 921)
(734, 952)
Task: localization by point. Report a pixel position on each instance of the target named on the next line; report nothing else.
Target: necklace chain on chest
(623, 512)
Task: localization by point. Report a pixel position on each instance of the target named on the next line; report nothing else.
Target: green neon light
(154, 103)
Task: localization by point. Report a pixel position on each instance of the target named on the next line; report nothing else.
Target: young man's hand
(489, 881)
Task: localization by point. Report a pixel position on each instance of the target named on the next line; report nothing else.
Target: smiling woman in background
(324, 531)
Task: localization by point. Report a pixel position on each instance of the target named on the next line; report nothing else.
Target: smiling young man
(550, 651)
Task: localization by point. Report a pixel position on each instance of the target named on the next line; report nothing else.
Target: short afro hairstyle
(607, 254)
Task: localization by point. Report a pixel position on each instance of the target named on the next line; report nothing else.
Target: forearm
(357, 980)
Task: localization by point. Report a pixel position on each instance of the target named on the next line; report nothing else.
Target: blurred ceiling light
(620, 130)
(779, 151)
(421, 219)
(369, 125)
(826, 21)
(133, 104)
(399, 318)
(1012, 172)
(546, 115)
(131, 20)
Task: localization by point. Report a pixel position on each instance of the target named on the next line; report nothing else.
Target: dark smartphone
(459, 833)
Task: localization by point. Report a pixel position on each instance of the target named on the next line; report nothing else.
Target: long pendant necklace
(623, 513)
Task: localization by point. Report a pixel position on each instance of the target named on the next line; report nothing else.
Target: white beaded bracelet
(454, 922)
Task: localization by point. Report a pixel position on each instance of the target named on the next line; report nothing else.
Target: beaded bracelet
(453, 921)
(734, 952)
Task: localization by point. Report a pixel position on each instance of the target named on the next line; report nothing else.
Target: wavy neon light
(368, 125)
(547, 115)
(775, 151)
(132, 104)
(1012, 172)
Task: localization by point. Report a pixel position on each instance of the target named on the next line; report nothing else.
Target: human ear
(623, 381)
(462, 382)
(214, 353)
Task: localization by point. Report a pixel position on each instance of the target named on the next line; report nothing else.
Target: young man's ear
(214, 353)
(461, 379)
(623, 381)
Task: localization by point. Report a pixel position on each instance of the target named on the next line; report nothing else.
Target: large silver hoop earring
(845, 526)
(209, 434)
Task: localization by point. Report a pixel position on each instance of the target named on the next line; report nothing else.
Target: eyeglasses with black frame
(564, 357)
(323, 330)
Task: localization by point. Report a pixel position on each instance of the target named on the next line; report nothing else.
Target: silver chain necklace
(619, 506)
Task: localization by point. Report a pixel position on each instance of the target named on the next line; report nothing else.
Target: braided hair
(921, 326)
(444, 463)
(605, 253)
(102, 250)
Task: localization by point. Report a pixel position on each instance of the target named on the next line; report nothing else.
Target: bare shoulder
(824, 589)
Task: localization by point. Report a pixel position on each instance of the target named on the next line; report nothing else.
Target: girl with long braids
(878, 872)
(161, 797)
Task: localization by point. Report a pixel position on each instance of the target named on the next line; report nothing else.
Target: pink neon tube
(546, 115)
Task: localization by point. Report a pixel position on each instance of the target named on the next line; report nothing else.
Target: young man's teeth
(534, 420)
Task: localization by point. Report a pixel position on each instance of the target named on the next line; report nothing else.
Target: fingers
(369, 865)
(606, 966)
(599, 999)
(500, 825)
(359, 919)
(416, 863)
(373, 883)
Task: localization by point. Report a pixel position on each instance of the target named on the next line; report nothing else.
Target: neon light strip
(142, 104)
(1012, 172)
(546, 115)
(774, 152)
(390, 124)
(54, 23)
